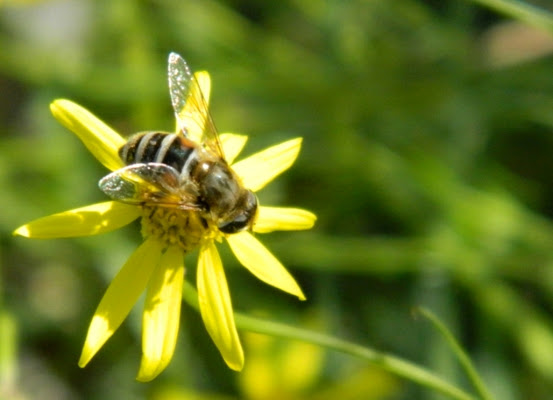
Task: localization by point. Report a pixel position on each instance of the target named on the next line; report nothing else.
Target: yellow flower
(157, 265)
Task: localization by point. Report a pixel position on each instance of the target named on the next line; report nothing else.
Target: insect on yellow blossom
(189, 193)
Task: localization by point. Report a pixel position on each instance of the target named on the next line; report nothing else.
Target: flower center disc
(172, 226)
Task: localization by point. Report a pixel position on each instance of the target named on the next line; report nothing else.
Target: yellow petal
(84, 221)
(283, 219)
(259, 261)
(261, 168)
(160, 321)
(102, 141)
(232, 145)
(193, 115)
(120, 296)
(216, 307)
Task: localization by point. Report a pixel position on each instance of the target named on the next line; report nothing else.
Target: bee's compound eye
(243, 219)
(236, 225)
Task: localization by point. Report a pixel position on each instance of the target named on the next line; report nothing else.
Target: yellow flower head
(157, 265)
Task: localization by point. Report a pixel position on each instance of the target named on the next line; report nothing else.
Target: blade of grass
(521, 11)
(394, 365)
(462, 356)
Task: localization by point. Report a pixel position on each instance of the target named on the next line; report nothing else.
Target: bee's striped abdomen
(158, 147)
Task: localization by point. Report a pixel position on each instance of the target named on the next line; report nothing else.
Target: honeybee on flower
(189, 194)
(170, 171)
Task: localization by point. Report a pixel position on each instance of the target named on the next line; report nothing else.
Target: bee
(171, 170)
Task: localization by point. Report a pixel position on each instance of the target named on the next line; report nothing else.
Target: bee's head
(243, 216)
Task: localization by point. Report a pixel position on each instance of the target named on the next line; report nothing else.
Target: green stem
(528, 13)
(464, 359)
(394, 365)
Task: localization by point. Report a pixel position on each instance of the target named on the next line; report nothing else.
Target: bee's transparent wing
(190, 106)
(148, 183)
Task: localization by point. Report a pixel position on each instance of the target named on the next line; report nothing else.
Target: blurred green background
(427, 156)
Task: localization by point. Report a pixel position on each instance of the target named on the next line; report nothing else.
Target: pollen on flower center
(172, 226)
